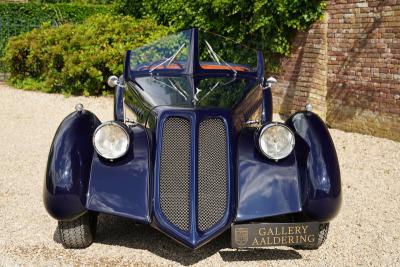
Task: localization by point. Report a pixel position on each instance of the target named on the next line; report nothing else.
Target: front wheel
(78, 233)
(322, 235)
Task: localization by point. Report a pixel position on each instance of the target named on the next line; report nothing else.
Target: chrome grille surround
(212, 173)
(175, 172)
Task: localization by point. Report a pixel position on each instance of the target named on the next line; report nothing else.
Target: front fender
(68, 166)
(265, 188)
(319, 172)
(122, 187)
(307, 181)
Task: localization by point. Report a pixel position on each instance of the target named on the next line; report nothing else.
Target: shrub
(16, 18)
(38, 13)
(266, 25)
(77, 59)
(73, 1)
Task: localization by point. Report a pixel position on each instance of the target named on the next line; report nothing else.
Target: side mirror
(112, 81)
(266, 114)
(270, 81)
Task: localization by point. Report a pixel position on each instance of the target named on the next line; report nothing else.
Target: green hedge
(39, 13)
(73, 1)
(77, 58)
(19, 18)
(268, 25)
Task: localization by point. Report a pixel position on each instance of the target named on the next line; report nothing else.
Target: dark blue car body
(303, 186)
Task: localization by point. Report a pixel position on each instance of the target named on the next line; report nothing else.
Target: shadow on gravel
(116, 231)
(260, 255)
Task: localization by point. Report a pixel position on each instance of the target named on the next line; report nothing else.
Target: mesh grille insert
(175, 171)
(212, 173)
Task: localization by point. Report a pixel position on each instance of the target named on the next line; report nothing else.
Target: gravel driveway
(366, 232)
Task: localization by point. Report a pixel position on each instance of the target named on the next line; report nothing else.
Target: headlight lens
(111, 140)
(276, 141)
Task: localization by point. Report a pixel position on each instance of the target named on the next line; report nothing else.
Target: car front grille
(175, 172)
(212, 173)
(211, 168)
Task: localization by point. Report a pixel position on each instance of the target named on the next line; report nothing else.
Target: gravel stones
(364, 233)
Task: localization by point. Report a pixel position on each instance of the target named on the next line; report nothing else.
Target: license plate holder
(274, 234)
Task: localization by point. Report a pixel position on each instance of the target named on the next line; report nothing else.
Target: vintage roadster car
(184, 154)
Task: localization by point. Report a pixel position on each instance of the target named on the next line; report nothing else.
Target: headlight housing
(111, 140)
(276, 141)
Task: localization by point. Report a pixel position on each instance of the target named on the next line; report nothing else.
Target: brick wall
(305, 73)
(348, 66)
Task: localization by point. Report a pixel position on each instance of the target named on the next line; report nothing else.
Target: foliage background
(83, 2)
(268, 25)
(39, 13)
(16, 18)
(77, 58)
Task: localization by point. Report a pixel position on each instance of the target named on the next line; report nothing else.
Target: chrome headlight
(110, 140)
(276, 141)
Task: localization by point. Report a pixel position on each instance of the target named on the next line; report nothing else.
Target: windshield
(217, 52)
(214, 53)
(193, 69)
(171, 52)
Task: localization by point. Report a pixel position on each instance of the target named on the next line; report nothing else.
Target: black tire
(78, 233)
(323, 234)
